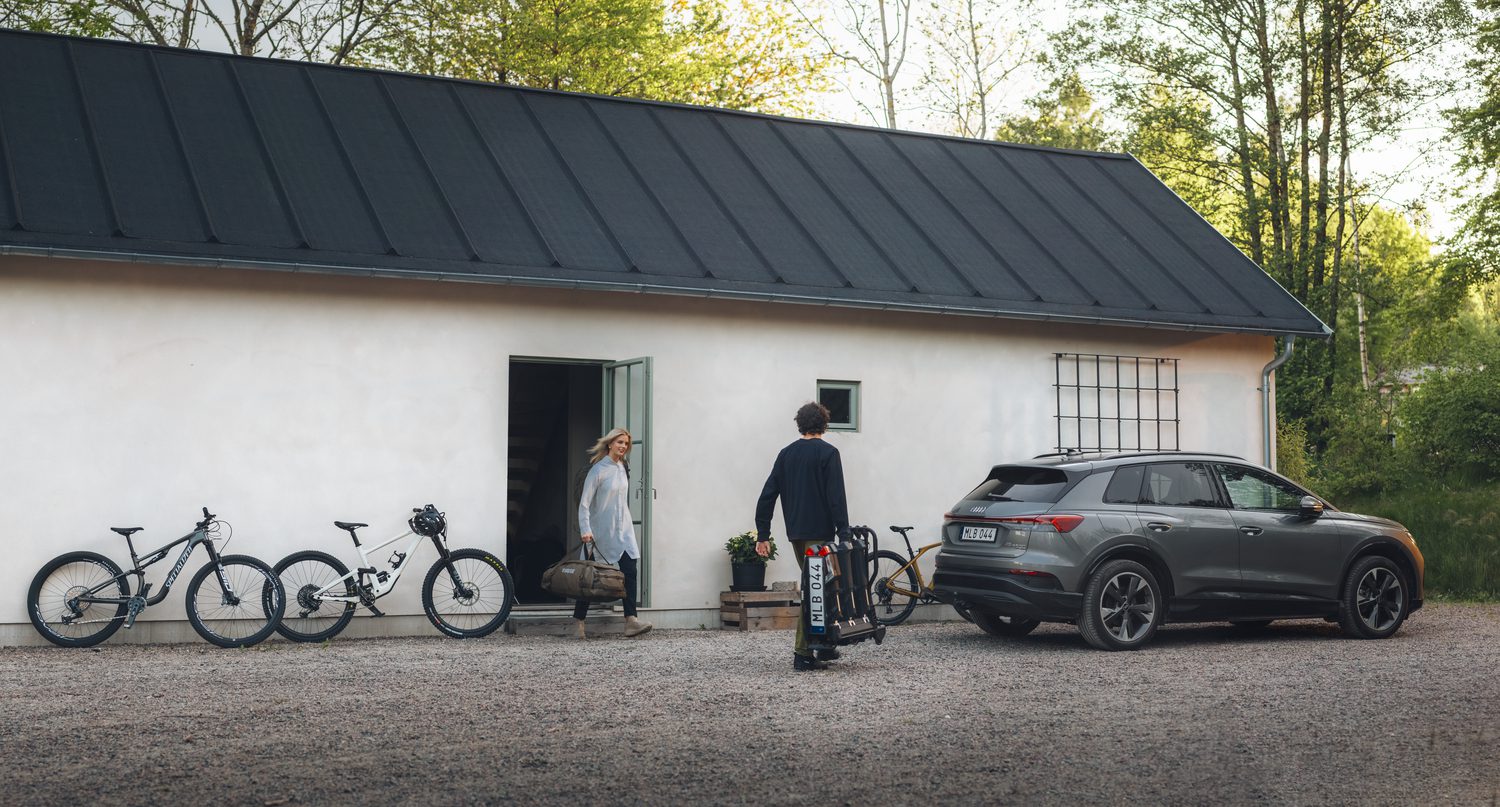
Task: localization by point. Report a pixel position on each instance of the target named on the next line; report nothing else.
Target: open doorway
(554, 418)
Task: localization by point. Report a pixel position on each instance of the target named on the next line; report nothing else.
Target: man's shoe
(635, 627)
(802, 663)
(831, 654)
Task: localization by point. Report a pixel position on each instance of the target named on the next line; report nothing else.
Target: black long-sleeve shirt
(809, 477)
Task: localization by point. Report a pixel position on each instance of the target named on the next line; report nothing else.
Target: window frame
(1221, 496)
(854, 403)
(1246, 469)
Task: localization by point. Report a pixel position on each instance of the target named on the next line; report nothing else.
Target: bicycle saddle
(902, 530)
(348, 525)
(126, 531)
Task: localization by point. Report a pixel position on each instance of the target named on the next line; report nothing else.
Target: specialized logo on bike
(815, 605)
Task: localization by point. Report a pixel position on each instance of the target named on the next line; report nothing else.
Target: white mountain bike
(468, 593)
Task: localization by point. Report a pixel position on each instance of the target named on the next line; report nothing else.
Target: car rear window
(1015, 483)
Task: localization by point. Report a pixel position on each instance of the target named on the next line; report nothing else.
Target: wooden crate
(760, 610)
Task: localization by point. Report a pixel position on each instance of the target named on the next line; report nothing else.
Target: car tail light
(1061, 523)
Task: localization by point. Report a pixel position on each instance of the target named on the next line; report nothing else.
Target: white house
(296, 293)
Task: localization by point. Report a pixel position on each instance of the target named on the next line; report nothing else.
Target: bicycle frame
(924, 591)
(334, 592)
(193, 539)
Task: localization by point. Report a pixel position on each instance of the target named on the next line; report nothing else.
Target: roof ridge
(213, 54)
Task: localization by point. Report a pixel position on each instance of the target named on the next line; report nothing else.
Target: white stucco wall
(133, 395)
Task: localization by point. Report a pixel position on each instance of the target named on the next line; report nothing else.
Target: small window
(1180, 484)
(842, 400)
(1125, 485)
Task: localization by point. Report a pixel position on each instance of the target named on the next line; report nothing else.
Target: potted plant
(748, 567)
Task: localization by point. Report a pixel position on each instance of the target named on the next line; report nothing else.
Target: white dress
(604, 510)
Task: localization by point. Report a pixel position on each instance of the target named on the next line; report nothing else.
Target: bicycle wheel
(474, 605)
(244, 614)
(309, 618)
(891, 607)
(65, 577)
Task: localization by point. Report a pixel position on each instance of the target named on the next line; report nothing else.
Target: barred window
(1116, 403)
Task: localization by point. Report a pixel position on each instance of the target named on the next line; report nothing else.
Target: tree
(740, 55)
(84, 18)
(879, 33)
(972, 52)
(1476, 128)
(1063, 117)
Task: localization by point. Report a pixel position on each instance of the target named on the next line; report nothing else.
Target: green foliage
(1458, 531)
(1451, 423)
(728, 53)
(741, 549)
(1359, 457)
(76, 17)
(1293, 459)
(1063, 117)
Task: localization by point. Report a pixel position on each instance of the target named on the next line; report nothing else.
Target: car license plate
(985, 534)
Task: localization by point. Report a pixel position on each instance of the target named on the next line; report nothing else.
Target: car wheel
(1122, 606)
(1375, 600)
(1005, 627)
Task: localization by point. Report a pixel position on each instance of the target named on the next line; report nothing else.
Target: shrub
(1451, 423)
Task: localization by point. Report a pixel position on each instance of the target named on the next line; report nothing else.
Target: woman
(604, 521)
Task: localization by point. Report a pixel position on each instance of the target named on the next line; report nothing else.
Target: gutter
(1267, 415)
(601, 285)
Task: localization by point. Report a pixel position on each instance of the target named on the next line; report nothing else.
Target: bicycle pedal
(133, 609)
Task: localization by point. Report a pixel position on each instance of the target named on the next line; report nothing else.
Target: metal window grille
(1116, 403)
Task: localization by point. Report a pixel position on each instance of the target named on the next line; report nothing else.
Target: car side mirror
(1310, 507)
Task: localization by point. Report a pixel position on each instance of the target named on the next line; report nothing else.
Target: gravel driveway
(939, 714)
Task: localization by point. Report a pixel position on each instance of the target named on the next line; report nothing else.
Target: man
(808, 476)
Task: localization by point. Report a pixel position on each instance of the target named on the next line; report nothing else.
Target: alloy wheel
(1379, 599)
(1127, 607)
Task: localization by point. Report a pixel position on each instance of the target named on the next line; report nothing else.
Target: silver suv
(1120, 543)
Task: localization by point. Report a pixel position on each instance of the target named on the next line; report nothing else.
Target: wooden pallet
(760, 610)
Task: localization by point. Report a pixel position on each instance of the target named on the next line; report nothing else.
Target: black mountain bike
(467, 594)
(81, 598)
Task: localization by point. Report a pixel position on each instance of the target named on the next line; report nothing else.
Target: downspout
(1267, 414)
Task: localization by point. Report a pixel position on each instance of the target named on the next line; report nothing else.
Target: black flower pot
(748, 576)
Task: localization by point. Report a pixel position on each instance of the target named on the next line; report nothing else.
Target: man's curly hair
(812, 418)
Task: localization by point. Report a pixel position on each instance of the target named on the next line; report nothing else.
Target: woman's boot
(635, 627)
(581, 633)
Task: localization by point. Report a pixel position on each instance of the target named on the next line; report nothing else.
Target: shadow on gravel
(1064, 638)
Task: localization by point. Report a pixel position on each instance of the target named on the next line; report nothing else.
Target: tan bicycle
(897, 583)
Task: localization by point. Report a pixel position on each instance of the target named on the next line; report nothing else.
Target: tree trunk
(1320, 235)
(1304, 143)
(1275, 171)
(1247, 176)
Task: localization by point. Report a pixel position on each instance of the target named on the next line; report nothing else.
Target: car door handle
(1251, 530)
(1158, 526)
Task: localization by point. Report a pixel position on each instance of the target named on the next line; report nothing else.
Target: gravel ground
(940, 713)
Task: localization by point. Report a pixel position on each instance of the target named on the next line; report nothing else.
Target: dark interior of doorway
(554, 419)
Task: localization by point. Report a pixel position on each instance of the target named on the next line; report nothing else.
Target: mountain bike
(468, 593)
(81, 598)
(897, 583)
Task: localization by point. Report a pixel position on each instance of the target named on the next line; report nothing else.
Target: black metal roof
(146, 153)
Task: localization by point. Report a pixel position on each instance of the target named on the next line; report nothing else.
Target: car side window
(1125, 486)
(1179, 484)
(1250, 489)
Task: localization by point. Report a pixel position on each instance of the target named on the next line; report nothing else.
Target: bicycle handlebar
(207, 519)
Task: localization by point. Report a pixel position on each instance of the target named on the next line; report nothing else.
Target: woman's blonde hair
(601, 446)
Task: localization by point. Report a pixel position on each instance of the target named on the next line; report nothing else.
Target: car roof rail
(1104, 454)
